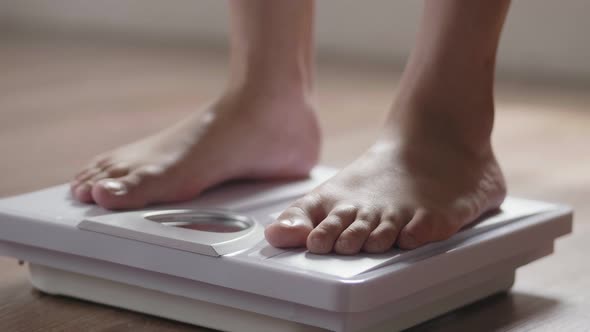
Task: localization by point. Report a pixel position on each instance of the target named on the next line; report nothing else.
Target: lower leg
(432, 171)
(254, 130)
(453, 65)
(272, 47)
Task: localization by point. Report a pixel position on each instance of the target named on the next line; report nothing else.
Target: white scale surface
(237, 282)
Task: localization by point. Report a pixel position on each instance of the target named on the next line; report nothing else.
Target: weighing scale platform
(206, 262)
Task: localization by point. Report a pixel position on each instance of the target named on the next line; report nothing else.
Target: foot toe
(322, 238)
(83, 177)
(82, 192)
(84, 183)
(295, 223)
(110, 193)
(384, 236)
(290, 229)
(132, 191)
(352, 239)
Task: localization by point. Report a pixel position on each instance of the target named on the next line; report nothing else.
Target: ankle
(268, 90)
(257, 96)
(445, 120)
(287, 76)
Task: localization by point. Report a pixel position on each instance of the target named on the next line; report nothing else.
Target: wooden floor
(63, 102)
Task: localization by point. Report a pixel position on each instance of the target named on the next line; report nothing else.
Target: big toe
(114, 194)
(293, 226)
(288, 232)
(133, 191)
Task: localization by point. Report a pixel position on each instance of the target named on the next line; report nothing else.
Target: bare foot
(418, 184)
(240, 136)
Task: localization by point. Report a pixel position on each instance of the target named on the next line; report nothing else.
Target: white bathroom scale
(206, 262)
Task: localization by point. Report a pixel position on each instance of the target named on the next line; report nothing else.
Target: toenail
(287, 222)
(295, 222)
(116, 188)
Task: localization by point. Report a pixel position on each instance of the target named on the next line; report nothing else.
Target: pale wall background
(542, 39)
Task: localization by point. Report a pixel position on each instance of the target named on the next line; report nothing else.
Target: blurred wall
(543, 38)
